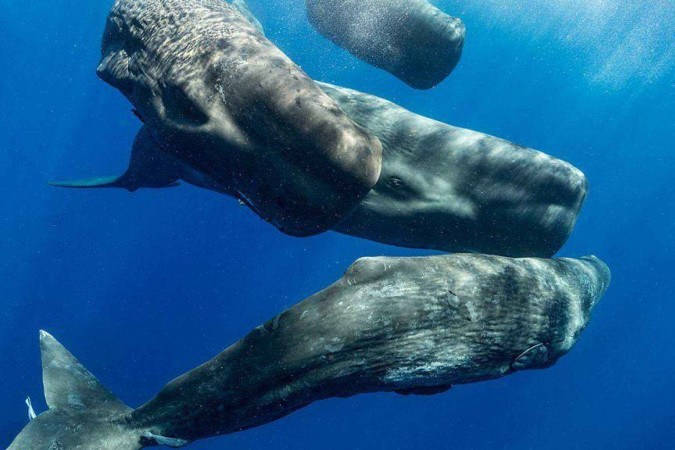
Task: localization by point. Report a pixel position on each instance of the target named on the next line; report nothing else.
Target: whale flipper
(98, 182)
(149, 167)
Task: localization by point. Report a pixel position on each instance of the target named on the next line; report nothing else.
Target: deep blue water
(144, 286)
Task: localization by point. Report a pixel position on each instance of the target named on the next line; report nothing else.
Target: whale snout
(571, 317)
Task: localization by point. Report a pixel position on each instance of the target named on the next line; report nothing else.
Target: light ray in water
(620, 42)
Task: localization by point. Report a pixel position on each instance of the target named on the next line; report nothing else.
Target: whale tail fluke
(82, 412)
(69, 385)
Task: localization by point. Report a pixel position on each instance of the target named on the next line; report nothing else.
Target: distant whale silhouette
(441, 187)
(406, 325)
(217, 95)
(411, 39)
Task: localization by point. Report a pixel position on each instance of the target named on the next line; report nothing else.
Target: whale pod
(457, 190)
(411, 39)
(404, 325)
(216, 94)
(441, 187)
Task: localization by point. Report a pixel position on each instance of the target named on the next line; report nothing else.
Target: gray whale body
(405, 325)
(219, 96)
(411, 39)
(457, 190)
(413, 326)
(441, 187)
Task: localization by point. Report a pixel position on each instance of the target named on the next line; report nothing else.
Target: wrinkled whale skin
(411, 325)
(405, 325)
(214, 92)
(457, 190)
(411, 39)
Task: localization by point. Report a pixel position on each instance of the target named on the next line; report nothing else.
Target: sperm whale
(405, 325)
(411, 39)
(219, 96)
(441, 187)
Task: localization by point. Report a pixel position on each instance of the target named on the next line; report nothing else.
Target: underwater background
(144, 286)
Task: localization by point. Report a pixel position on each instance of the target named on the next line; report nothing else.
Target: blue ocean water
(144, 286)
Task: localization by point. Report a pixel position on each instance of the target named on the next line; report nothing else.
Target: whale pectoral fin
(121, 181)
(99, 182)
(149, 167)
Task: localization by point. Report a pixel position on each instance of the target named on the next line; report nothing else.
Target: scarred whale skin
(457, 190)
(405, 325)
(214, 92)
(411, 39)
